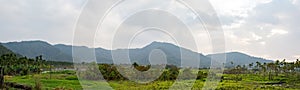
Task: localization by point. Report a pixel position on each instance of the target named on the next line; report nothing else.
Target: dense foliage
(110, 73)
(14, 65)
(268, 70)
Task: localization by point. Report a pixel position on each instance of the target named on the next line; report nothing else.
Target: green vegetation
(39, 74)
(68, 81)
(20, 66)
(58, 80)
(12, 65)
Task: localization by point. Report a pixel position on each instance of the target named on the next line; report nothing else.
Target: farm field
(37, 74)
(67, 80)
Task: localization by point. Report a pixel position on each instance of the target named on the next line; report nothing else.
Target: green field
(38, 74)
(67, 81)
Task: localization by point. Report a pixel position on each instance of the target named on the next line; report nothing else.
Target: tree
(297, 63)
(271, 68)
(135, 64)
(1, 78)
(250, 65)
(277, 67)
(237, 71)
(14, 65)
(232, 64)
(258, 66)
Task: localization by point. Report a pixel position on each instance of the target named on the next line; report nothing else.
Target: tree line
(110, 73)
(267, 70)
(16, 65)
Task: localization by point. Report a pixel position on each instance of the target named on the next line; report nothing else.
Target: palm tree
(297, 64)
(232, 64)
(271, 67)
(264, 68)
(277, 67)
(250, 67)
(238, 70)
(258, 64)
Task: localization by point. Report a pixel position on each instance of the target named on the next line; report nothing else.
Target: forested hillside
(4, 50)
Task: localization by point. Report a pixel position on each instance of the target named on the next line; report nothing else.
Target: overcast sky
(264, 28)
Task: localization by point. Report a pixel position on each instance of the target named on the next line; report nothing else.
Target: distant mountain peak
(240, 58)
(157, 43)
(30, 42)
(236, 53)
(64, 45)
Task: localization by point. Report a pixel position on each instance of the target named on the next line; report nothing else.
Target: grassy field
(67, 80)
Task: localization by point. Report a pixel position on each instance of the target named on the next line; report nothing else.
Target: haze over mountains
(61, 52)
(32, 49)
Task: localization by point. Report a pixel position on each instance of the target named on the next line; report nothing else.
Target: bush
(64, 72)
(71, 78)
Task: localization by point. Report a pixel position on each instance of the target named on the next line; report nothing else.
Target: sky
(263, 28)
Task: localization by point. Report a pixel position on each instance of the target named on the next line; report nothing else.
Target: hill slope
(32, 49)
(139, 55)
(4, 50)
(241, 59)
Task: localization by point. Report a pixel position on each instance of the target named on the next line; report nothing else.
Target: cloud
(266, 28)
(269, 28)
(174, 9)
(277, 32)
(50, 20)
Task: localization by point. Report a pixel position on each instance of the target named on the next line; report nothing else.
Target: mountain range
(32, 49)
(173, 55)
